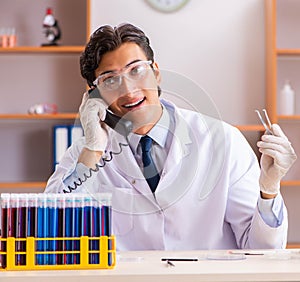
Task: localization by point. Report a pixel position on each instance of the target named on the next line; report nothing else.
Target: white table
(147, 266)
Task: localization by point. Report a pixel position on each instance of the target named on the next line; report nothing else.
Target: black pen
(169, 263)
(179, 259)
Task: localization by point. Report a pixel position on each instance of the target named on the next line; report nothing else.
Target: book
(63, 137)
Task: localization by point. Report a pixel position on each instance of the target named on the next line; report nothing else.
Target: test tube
(105, 200)
(21, 227)
(69, 212)
(5, 217)
(61, 227)
(32, 214)
(78, 219)
(42, 228)
(95, 229)
(52, 226)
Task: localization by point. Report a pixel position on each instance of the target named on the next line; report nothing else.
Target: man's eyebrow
(112, 71)
(134, 61)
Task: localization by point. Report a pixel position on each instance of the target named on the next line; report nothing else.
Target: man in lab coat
(209, 192)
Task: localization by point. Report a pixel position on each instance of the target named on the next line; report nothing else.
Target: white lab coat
(206, 198)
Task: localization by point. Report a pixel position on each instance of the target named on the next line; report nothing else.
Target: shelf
(293, 246)
(250, 127)
(41, 116)
(43, 184)
(290, 183)
(289, 52)
(44, 49)
(11, 185)
(294, 117)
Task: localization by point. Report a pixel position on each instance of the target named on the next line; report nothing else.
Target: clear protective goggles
(112, 81)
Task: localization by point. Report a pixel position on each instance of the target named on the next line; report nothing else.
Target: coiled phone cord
(99, 165)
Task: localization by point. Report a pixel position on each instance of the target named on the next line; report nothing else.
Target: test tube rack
(105, 253)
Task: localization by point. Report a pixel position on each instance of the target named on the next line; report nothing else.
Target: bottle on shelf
(4, 37)
(8, 37)
(286, 105)
(12, 40)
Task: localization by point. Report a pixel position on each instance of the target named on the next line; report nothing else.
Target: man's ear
(156, 72)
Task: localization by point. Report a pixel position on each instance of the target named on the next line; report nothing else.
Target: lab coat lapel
(126, 165)
(169, 190)
(180, 147)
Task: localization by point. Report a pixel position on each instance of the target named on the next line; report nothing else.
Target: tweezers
(267, 125)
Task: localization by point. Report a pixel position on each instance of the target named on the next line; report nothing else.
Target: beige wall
(217, 44)
(220, 46)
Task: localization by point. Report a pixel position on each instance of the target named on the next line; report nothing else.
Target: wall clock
(167, 6)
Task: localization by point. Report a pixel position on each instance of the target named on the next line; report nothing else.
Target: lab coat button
(133, 182)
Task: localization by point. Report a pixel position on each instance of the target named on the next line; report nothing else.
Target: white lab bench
(267, 265)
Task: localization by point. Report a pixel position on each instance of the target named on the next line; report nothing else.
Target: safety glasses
(112, 81)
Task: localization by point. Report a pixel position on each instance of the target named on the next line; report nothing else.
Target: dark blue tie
(150, 171)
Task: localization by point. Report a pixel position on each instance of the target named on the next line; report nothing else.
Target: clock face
(167, 6)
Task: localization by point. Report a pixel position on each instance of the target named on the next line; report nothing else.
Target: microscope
(51, 29)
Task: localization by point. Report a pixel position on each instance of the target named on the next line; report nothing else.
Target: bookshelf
(34, 74)
(38, 49)
(283, 62)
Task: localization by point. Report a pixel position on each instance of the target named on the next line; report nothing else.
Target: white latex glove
(92, 110)
(277, 157)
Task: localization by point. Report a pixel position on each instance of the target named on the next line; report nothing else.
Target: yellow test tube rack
(106, 252)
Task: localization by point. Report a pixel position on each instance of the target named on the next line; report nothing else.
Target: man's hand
(277, 157)
(92, 110)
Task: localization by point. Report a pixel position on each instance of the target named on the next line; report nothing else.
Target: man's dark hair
(107, 38)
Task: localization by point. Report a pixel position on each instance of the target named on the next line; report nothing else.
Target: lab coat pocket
(122, 208)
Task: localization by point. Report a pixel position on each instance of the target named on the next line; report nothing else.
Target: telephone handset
(121, 125)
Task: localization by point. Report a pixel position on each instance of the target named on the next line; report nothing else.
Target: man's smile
(134, 104)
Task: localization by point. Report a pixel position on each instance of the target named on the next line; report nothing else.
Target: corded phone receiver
(94, 93)
(121, 125)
